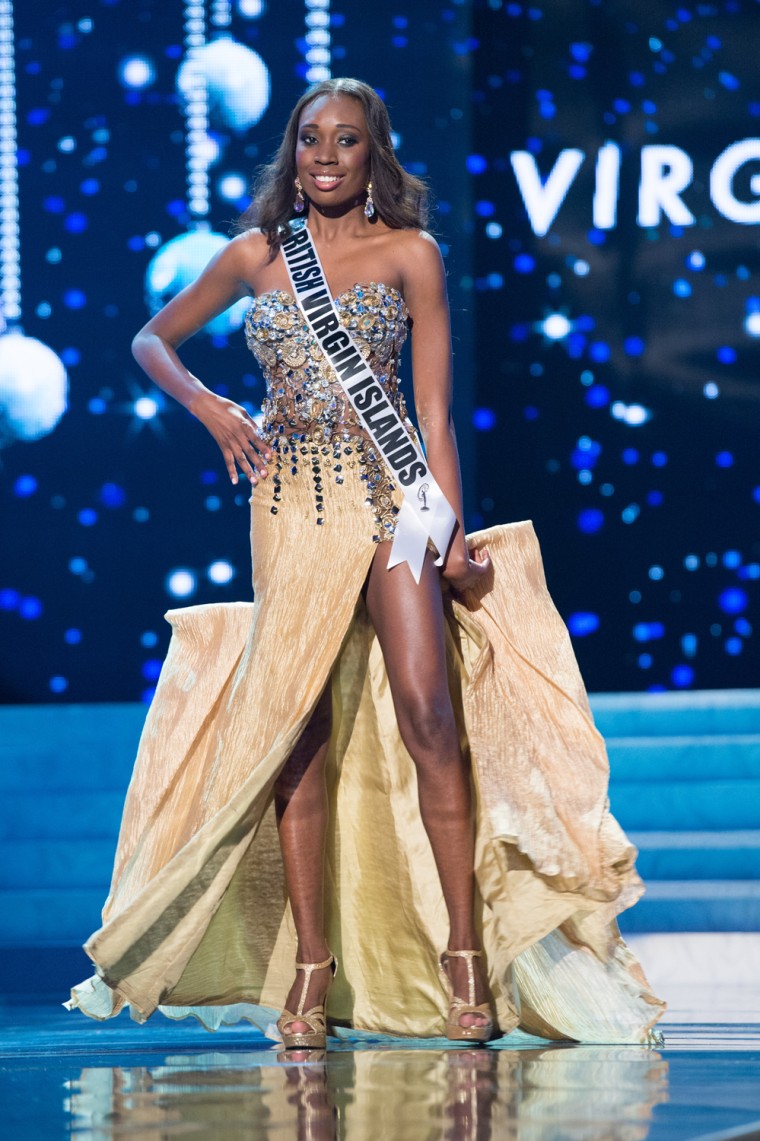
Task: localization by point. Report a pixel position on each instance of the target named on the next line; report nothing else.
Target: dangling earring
(369, 206)
(300, 202)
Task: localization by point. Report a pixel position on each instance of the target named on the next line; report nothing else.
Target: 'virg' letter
(665, 172)
(606, 187)
(543, 199)
(722, 179)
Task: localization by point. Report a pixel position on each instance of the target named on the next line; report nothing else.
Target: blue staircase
(685, 786)
(63, 774)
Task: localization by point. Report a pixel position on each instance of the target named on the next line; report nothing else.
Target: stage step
(685, 758)
(57, 863)
(698, 855)
(82, 813)
(710, 806)
(688, 905)
(685, 784)
(68, 747)
(50, 916)
(698, 713)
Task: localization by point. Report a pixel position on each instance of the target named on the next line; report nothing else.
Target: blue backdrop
(597, 173)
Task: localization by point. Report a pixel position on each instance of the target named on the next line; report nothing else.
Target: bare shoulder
(420, 261)
(248, 253)
(414, 245)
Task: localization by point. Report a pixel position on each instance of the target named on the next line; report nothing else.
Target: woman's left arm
(424, 281)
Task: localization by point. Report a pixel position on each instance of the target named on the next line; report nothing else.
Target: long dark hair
(400, 198)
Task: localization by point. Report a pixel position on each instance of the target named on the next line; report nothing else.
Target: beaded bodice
(303, 393)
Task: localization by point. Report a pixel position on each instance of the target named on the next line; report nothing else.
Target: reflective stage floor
(61, 1075)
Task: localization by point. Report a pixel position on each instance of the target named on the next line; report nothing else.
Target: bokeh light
(181, 583)
(137, 71)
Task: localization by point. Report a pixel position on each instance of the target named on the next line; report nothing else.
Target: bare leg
(408, 620)
(301, 806)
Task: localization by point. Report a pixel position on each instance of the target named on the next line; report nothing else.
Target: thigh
(408, 619)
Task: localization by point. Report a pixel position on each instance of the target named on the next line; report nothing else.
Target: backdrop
(596, 169)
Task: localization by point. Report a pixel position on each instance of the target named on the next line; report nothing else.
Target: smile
(327, 181)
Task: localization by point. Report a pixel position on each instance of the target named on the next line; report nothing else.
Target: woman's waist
(328, 431)
(282, 432)
(330, 414)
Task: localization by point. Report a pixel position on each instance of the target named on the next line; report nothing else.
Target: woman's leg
(301, 806)
(408, 620)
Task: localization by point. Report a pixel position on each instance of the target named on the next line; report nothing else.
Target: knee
(427, 725)
(301, 780)
(304, 770)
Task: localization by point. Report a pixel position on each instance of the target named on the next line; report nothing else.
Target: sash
(425, 512)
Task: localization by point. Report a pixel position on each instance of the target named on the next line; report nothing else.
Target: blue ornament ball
(177, 264)
(33, 388)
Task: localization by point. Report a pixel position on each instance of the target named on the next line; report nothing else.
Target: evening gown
(197, 921)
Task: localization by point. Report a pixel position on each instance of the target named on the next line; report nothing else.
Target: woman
(387, 673)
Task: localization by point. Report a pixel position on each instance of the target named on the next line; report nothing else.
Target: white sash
(425, 512)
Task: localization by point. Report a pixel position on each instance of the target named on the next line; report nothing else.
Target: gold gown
(197, 919)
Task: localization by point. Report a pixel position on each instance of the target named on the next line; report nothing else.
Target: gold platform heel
(457, 1006)
(316, 1037)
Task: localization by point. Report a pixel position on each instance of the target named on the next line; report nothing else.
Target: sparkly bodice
(303, 393)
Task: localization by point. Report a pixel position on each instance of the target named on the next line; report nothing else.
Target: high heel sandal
(458, 1007)
(316, 1037)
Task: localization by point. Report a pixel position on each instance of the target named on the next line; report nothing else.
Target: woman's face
(332, 152)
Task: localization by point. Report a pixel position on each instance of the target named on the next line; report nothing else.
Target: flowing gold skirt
(197, 919)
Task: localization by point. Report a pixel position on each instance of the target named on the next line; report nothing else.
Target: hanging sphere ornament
(33, 388)
(236, 80)
(177, 264)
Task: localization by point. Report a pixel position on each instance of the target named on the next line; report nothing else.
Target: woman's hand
(463, 575)
(235, 433)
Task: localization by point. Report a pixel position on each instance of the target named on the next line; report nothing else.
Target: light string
(196, 114)
(33, 381)
(221, 13)
(10, 258)
(318, 53)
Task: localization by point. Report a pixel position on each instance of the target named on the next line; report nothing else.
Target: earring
(369, 206)
(300, 202)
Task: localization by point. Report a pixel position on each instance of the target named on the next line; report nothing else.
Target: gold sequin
(293, 355)
(284, 320)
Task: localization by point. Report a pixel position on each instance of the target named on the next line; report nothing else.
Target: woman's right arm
(223, 282)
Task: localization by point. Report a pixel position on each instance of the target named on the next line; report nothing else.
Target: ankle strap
(464, 954)
(315, 966)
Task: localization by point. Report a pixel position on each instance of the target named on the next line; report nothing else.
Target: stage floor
(62, 1075)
